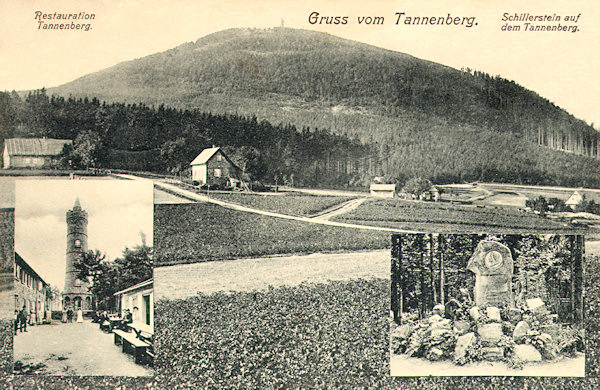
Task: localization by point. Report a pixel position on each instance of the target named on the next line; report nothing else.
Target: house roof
(205, 155)
(19, 260)
(145, 283)
(35, 146)
(574, 199)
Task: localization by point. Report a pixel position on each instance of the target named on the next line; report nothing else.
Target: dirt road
(185, 280)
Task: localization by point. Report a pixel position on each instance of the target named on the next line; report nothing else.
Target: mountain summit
(420, 113)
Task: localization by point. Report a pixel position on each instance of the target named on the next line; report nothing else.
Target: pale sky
(560, 66)
(118, 211)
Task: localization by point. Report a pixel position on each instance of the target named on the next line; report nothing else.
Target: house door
(146, 299)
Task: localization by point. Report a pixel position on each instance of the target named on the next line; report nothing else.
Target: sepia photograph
(210, 195)
(83, 297)
(475, 305)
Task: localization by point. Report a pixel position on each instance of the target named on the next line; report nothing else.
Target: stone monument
(492, 264)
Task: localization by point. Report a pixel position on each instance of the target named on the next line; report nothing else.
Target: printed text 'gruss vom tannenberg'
(64, 20)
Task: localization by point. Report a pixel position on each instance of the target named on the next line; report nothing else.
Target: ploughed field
(191, 233)
(284, 203)
(451, 218)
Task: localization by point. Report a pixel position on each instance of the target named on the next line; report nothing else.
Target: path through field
(340, 209)
(185, 280)
(194, 196)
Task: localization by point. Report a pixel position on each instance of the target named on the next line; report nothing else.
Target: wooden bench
(131, 345)
(145, 334)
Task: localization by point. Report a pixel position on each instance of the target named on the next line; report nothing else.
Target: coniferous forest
(165, 140)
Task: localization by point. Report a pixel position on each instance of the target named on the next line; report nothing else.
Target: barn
(214, 168)
(32, 152)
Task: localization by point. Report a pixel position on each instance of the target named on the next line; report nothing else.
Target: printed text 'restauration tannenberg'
(60, 20)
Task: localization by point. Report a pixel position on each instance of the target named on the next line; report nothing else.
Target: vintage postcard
(210, 194)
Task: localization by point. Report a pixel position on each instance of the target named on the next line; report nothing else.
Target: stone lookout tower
(76, 294)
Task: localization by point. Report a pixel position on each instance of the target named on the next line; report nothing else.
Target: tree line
(165, 140)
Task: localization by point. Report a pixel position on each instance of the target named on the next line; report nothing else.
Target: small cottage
(139, 300)
(213, 167)
(32, 152)
(382, 190)
(574, 200)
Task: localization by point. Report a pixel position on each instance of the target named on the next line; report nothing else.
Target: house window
(219, 157)
(217, 172)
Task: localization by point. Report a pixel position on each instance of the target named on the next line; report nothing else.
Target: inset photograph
(487, 305)
(83, 291)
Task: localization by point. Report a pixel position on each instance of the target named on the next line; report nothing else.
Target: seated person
(127, 319)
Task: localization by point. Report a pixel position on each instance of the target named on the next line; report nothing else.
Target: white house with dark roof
(213, 167)
(32, 152)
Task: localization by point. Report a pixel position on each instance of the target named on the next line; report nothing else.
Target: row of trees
(107, 277)
(163, 139)
(543, 205)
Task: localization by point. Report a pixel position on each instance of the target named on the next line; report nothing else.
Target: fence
(428, 269)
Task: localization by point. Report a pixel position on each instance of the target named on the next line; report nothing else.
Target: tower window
(77, 243)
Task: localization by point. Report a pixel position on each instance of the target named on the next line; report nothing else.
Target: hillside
(403, 104)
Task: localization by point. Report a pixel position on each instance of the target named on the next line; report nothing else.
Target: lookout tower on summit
(76, 294)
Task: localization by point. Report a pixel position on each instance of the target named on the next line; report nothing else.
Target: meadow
(284, 203)
(191, 233)
(446, 217)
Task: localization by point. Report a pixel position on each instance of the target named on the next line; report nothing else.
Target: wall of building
(28, 162)
(30, 293)
(199, 173)
(225, 168)
(143, 299)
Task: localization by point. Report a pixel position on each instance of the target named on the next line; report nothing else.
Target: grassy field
(191, 233)
(326, 335)
(290, 204)
(444, 217)
(308, 336)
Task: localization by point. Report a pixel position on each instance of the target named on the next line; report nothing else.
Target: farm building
(139, 300)
(32, 152)
(30, 291)
(382, 190)
(213, 167)
(574, 200)
(432, 194)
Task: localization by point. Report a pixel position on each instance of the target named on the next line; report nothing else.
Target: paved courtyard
(74, 349)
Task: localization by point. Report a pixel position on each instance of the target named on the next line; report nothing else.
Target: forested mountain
(421, 118)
